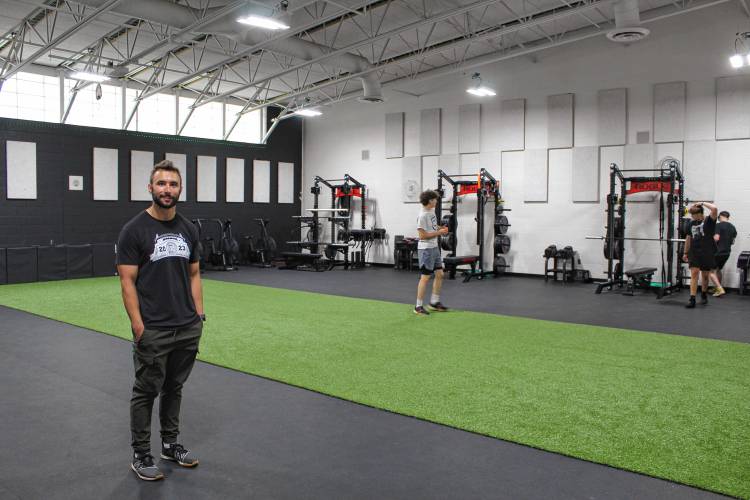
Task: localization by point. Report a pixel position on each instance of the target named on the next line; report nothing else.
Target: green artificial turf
(667, 406)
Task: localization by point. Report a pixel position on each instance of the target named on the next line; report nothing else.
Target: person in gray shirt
(430, 259)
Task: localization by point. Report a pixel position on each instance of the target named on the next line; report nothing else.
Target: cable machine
(668, 181)
(487, 189)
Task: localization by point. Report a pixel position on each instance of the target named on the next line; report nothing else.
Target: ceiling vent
(628, 35)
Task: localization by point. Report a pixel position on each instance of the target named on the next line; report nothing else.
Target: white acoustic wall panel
(141, 163)
(612, 108)
(411, 179)
(491, 161)
(105, 174)
(450, 164)
(513, 125)
(20, 170)
(469, 131)
(394, 135)
(671, 149)
(733, 107)
(235, 179)
(585, 163)
(429, 132)
(470, 163)
(206, 181)
(560, 121)
(261, 181)
(180, 161)
(670, 108)
(430, 167)
(639, 156)
(699, 169)
(286, 182)
(535, 175)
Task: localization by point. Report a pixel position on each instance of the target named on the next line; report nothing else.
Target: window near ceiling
(157, 114)
(205, 120)
(28, 96)
(89, 111)
(248, 129)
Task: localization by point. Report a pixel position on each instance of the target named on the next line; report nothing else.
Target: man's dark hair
(426, 196)
(166, 165)
(724, 213)
(696, 209)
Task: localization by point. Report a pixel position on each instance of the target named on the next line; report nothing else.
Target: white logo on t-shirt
(170, 245)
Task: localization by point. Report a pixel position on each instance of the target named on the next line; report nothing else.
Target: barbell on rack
(637, 239)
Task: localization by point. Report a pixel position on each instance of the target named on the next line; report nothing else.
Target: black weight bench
(452, 263)
(640, 277)
(301, 261)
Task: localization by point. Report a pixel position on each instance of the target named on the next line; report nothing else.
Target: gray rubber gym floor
(65, 395)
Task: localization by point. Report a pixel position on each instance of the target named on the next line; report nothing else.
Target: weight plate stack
(502, 244)
(499, 265)
(448, 242)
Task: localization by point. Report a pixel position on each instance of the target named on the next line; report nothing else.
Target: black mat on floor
(725, 318)
(64, 404)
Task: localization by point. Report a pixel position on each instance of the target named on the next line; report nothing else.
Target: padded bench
(452, 263)
(295, 260)
(640, 277)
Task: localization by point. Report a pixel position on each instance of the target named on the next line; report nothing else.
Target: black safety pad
(3, 267)
(104, 259)
(21, 264)
(52, 263)
(640, 271)
(80, 261)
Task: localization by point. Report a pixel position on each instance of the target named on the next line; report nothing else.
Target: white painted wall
(693, 47)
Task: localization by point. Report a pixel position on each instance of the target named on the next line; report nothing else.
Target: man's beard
(162, 204)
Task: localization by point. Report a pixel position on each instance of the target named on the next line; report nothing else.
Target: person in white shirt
(430, 259)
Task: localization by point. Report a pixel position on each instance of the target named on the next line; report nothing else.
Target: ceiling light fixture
(478, 89)
(263, 22)
(89, 77)
(741, 51)
(308, 112)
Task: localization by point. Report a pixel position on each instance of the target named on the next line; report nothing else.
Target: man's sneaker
(691, 303)
(437, 306)
(176, 453)
(421, 311)
(144, 468)
(719, 292)
(704, 298)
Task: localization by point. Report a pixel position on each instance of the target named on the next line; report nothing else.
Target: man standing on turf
(430, 260)
(724, 238)
(700, 249)
(157, 260)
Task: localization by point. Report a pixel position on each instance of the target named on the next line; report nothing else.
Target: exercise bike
(261, 250)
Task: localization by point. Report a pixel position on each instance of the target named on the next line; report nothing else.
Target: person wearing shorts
(428, 249)
(724, 238)
(700, 249)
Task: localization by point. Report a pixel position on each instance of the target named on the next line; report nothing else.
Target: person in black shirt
(157, 260)
(724, 238)
(700, 249)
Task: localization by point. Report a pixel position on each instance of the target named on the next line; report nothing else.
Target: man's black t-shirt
(162, 250)
(702, 236)
(727, 233)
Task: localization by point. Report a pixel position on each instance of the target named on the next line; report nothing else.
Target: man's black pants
(163, 360)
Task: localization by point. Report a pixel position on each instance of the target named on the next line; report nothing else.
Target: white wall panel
(612, 108)
(733, 107)
(560, 121)
(105, 174)
(141, 163)
(206, 180)
(585, 174)
(513, 125)
(469, 131)
(235, 180)
(394, 135)
(180, 161)
(262, 181)
(535, 175)
(429, 132)
(670, 107)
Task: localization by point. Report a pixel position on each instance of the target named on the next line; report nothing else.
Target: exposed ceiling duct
(179, 16)
(628, 27)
